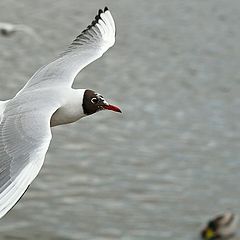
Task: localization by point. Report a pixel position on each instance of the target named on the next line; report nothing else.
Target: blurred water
(171, 160)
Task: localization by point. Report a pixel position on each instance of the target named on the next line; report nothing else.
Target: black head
(213, 225)
(94, 102)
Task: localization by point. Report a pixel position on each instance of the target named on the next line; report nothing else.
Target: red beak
(113, 108)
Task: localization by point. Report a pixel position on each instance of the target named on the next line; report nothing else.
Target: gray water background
(172, 159)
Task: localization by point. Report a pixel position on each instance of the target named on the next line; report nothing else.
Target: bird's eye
(94, 100)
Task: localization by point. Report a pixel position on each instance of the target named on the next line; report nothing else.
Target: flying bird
(48, 100)
(8, 29)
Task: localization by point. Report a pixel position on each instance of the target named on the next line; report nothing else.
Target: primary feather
(90, 45)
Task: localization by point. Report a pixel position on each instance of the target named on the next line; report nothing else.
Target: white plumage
(25, 120)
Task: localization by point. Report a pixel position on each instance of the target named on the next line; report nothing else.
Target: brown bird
(221, 227)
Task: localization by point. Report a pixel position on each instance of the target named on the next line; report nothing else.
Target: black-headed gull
(48, 100)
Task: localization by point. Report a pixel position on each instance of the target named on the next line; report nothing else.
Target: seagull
(8, 29)
(48, 100)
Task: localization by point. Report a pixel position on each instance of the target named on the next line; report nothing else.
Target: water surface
(171, 160)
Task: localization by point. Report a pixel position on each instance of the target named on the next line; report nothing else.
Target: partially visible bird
(8, 29)
(48, 100)
(221, 227)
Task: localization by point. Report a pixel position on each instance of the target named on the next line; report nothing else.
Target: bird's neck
(71, 110)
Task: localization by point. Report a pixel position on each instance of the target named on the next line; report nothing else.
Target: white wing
(86, 48)
(24, 139)
(2, 108)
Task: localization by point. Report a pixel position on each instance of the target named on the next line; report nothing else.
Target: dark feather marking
(94, 22)
(81, 38)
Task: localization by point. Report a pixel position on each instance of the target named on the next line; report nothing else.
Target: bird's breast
(65, 115)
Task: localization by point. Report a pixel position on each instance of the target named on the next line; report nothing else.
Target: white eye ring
(94, 100)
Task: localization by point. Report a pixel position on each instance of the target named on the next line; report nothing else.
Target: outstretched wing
(90, 45)
(24, 139)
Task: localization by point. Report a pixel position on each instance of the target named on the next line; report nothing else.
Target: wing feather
(24, 139)
(90, 45)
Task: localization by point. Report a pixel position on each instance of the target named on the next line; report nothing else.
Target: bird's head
(94, 102)
(209, 234)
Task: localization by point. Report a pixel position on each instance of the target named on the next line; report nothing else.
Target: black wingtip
(94, 22)
(97, 17)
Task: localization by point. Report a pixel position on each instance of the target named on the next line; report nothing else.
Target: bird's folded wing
(96, 39)
(24, 139)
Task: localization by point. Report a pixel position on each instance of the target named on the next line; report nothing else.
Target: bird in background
(48, 100)
(9, 29)
(221, 227)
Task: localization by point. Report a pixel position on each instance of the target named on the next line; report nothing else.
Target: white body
(47, 99)
(70, 110)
